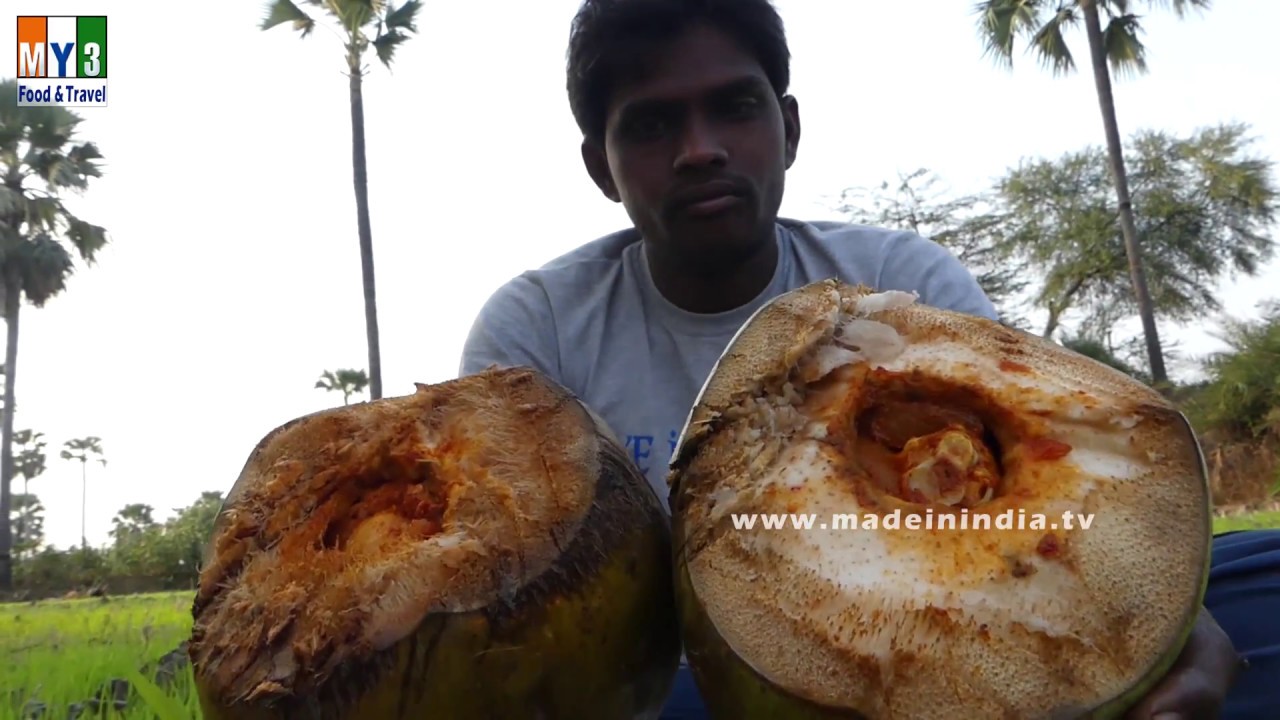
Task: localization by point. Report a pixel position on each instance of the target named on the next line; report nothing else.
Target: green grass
(1262, 520)
(59, 651)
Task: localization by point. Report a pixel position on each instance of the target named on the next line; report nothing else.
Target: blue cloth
(684, 702)
(1243, 596)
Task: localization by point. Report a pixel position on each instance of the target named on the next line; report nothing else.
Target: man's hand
(1195, 688)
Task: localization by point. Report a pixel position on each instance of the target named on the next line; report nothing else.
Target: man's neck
(707, 292)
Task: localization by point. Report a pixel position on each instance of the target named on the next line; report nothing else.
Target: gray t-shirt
(593, 321)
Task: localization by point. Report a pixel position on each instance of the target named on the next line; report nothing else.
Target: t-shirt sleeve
(514, 328)
(916, 263)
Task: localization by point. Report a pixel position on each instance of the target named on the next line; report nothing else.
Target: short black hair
(607, 39)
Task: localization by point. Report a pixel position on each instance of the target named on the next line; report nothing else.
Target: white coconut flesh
(836, 403)
(348, 527)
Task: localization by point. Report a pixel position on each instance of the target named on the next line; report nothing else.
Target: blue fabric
(684, 702)
(1243, 596)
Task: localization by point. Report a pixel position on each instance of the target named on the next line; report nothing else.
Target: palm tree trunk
(1102, 78)
(361, 178)
(84, 494)
(12, 299)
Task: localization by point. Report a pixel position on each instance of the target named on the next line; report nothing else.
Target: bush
(1241, 400)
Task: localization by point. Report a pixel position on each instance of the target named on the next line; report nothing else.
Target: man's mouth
(708, 199)
(712, 206)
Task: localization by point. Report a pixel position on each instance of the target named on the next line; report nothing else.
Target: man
(687, 123)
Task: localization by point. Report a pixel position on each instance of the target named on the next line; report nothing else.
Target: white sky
(233, 276)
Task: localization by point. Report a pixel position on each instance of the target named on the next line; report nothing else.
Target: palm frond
(43, 266)
(385, 46)
(83, 157)
(394, 30)
(41, 212)
(1125, 52)
(404, 17)
(49, 127)
(12, 202)
(85, 237)
(284, 11)
(355, 14)
(1049, 43)
(1000, 22)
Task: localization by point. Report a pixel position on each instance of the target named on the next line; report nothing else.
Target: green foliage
(72, 568)
(81, 449)
(1203, 207)
(966, 225)
(163, 705)
(347, 381)
(40, 161)
(1043, 25)
(364, 24)
(57, 654)
(168, 553)
(29, 457)
(26, 517)
(1096, 349)
(1241, 400)
(1048, 232)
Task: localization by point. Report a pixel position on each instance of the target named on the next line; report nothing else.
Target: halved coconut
(482, 548)
(1000, 527)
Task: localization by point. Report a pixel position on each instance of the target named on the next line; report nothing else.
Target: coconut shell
(845, 408)
(482, 548)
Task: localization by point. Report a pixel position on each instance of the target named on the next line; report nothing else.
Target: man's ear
(791, 127)
(597, 164)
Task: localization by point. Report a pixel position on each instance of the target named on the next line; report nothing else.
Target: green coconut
(482, 548)
(916, 467)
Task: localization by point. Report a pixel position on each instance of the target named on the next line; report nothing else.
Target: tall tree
(968, 225)
(29, 462)
(1001, 22)
(136, 540)
(82, 449)
(346, 381)
(41, 161)
(1203, 207)
(363, 24)
(132, 520)
(186, 535)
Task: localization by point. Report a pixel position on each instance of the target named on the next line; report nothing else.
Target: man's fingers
(1185, 694)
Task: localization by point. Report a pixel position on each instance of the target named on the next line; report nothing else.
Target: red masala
(1013, 366)
(1049, 546)
(1047, 449)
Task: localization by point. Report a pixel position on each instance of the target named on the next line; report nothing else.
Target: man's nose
(700, 146)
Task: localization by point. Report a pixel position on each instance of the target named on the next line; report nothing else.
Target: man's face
(697, 151)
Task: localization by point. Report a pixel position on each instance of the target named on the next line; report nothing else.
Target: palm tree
(80, 449)
(29, 462)
(389, 26)
(40, 161)
(346, 381)
(1002, 21)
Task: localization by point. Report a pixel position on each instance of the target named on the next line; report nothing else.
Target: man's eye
(742, 106)
(645, 126)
